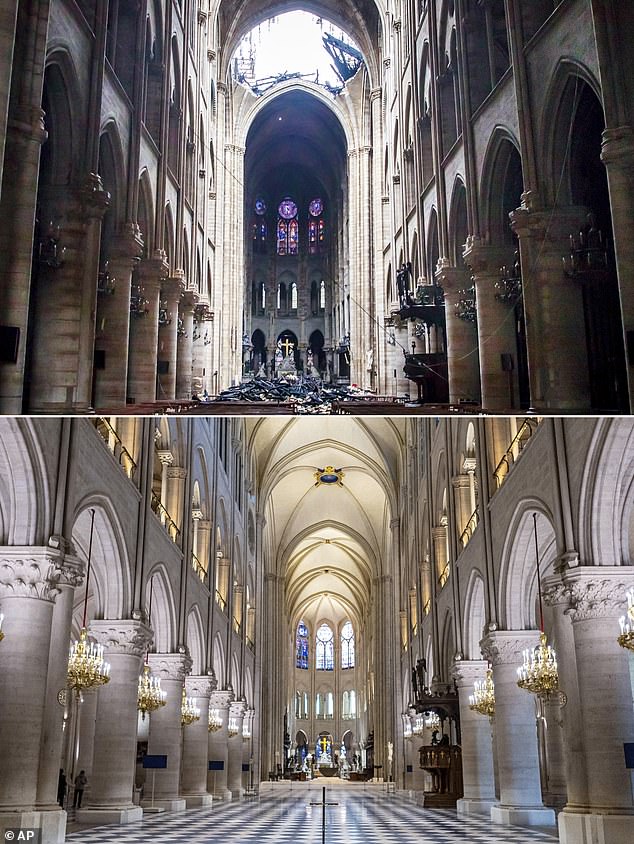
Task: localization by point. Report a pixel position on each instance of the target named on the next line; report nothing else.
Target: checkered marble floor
(283, 815)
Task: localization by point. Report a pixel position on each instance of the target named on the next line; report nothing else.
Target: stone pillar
(477, 752)
(600, 805)
(439, 537)
(462, 494)
(234, 748)
(171, 290)
(113, 321)
(28, 588)
(184, 345)
(496, 327)
(553, 743)
(24, 137)
(109, 798)
(166, 731)
(71, 575)
(218, 750)
(462, 339)
(515, 733)
(617, 154)
(553, 305)
(176, 477)
(195, 756)
(144, 332)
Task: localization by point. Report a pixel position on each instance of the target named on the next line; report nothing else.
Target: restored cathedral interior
(411, 619)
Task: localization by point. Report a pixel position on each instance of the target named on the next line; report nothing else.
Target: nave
(282, 813)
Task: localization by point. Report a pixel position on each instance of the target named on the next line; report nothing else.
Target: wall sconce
(49, 252)
(165, 316)
(105, 282)
(181, 331)
(139, 305)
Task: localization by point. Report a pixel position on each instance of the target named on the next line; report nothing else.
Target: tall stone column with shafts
(218, 750)
(166, 730)
(477, 752)
(599, 712)
(462, 338)
(171, 290)
(184, 344)
(234, 748)
(515, 733)
(195, 756)
(114, 755)
(28, 589)
(142, 360)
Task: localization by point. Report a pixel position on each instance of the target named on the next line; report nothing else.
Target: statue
(421, 671)
(414, 683)
(309, 362)
(279, 354)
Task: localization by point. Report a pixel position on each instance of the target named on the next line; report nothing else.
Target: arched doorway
(316, 346)
(258, 352)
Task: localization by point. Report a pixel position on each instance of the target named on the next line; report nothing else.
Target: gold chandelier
(483, 698)
(87, 668)
(232, 730)
(215, 722)
(150, 695)
(189, 711)
(626, 639)
(1, 620)
(538, 673)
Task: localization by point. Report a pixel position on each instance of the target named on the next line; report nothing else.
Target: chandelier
(232, 731)
(86, 666)
(189, 711)
(625, 640)
(1, 620)
(466, 305)
(215, 722)
(483, 698)
(509, 286)
(538, 673)
(150, 695)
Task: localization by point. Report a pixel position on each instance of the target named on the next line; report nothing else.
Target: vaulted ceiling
(328, 541)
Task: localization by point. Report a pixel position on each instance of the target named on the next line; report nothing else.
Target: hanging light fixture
(189, 711)
(86, 666)
(150, 696)
(232, 730)
(625, 640)
(1, 620)
(538, 674)
(483, 698)
(215, 723)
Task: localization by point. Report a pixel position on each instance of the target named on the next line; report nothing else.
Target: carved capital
(617, 149)
(170, 666)
(238, 708)
(505, 647)
(200, 686)
(590, 591)
(33, 572)
(221, 699)
(466, 671)
(129, 637)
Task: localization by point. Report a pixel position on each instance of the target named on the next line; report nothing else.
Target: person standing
(61, 787)
(81, 780)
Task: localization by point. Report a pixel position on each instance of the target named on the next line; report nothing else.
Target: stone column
(462, 495)
(477, 752)
(171, 290)
(113, 321)
(114, 757)
(234, 748)
(28, 588)
(462, 339)
(515, 733)
(617, 153)
(144, 332)
(553, 740)
(166, 731)
(71, 576)
(195, 744)
(553, 305)
(600, 804)
(184, 345)
(439, 537)
(218, 750)
(496, 327)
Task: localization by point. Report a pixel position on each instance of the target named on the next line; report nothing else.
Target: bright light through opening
(292, 45)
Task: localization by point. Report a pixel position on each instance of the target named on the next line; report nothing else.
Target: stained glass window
(322, 294)
(293, 296)
(347, 646)
(316, 226)
(282, 237)
(325, 650)
(301, 646)
(287, 228)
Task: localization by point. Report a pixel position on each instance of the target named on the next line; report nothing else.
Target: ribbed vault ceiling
(329, 541)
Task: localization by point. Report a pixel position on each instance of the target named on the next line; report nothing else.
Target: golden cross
(287, 346)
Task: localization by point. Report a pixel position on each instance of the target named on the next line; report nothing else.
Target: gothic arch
(24, 495)
(219, 661)
(474, 615)
(458, 224)
(163, 616)
(502, 158)
(145, 214)
(196, 640)
(518, 595)
(63, 103)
